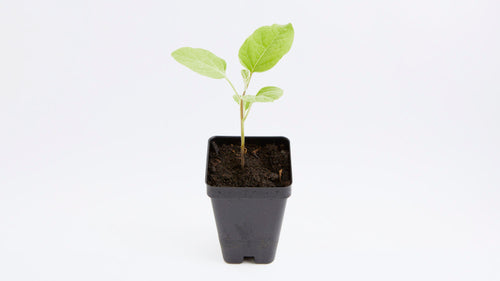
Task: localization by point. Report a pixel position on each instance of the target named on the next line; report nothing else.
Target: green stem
(243, 117)
(242, 147)
(232, 86)
(242, 121)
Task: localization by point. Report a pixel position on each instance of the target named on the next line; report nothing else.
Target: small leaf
(247, 105)
(246, 76)
(247, 101)
(249, 98)
(236, 98)
(201, 61)
(266, 46)
(268, 94)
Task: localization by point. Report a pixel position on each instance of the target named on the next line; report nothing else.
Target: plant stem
(242, 147)
(232, 86)
(243, 117)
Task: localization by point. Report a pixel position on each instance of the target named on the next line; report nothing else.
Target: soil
(266, 165)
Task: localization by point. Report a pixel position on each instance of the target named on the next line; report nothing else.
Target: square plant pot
(249, 219)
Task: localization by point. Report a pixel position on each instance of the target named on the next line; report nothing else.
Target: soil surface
(266, 165)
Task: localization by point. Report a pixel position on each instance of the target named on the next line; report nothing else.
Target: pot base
(238, 257)
(248, 221)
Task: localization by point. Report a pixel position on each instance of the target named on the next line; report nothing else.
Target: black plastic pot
(248, 218)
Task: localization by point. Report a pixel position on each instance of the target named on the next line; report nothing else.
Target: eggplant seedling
(260, 52)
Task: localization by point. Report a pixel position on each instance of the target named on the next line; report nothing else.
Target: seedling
(260, 52)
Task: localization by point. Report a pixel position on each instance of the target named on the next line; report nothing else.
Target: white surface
(392, 108)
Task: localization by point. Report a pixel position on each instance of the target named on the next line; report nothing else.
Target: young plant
(260, 52)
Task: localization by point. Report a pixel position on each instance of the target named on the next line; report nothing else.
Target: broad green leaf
(246, 76)
(201, 61)
(266, 46)
(269, 94)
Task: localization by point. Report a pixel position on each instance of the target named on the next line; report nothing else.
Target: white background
(392, 108)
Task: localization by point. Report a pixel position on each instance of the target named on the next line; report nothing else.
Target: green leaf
(249, 98)
(266, 46)
(236, 98)
(247, 105)
(201, 61)
(269, 94)
(246, 76)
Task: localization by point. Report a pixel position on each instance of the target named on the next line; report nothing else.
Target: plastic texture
(248, 219)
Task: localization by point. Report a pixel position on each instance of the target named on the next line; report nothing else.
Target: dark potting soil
(266, 165)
